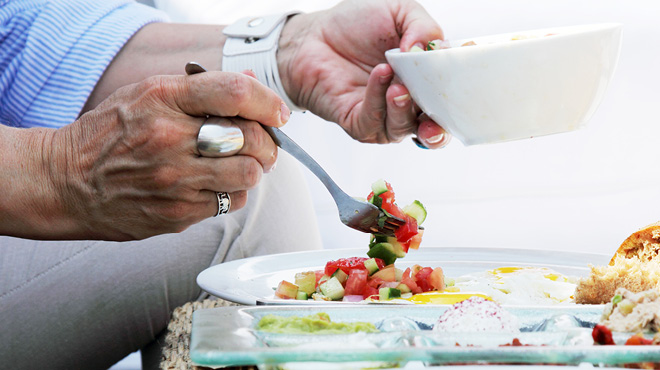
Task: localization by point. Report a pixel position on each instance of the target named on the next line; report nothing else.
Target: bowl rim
(506, 37)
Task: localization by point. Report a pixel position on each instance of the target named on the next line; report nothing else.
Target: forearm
(31, 204)
(160, 49)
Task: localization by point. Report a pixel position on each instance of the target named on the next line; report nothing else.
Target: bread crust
(635, 266)
(644, 244)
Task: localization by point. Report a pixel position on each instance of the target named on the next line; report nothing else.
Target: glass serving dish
(550, 335)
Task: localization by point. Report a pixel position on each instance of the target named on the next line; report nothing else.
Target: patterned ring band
(224, 203)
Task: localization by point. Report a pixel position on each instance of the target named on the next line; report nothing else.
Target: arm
(128, 169)
(160, 49)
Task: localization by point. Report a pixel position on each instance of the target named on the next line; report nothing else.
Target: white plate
(247, 280)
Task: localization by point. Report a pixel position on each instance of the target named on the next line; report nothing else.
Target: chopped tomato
(387, 197)
(357, 281)
(410, 282)
(415, 269)
(389, 206)
(407, 231)
(437, 279)
(369, 291)
(415, 241)
(348, 264)
(319, 275)
(374, 282)
(422, 279)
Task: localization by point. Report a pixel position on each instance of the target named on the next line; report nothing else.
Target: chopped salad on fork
(374, 276)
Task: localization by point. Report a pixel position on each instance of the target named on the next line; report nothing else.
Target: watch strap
(252, 44)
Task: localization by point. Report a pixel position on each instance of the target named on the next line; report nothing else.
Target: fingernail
(402, 100)
(435, 139)
(385, 79)
(285, 113)
(418, 143)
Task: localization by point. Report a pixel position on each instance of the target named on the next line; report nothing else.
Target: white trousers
(87, 304)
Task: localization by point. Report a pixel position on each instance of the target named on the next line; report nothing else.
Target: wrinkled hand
(130, 169)
(333, 63)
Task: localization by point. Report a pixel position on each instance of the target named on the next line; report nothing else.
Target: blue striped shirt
(52, 54)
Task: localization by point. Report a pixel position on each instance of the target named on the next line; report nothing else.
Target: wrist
(288, 46)
(32, 206)
(252, 43)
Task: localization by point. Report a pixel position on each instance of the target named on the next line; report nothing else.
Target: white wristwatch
(252, 44)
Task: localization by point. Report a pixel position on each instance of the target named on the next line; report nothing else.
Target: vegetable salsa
(373, 277)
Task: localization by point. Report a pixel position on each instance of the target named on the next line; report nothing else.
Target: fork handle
(285, 142)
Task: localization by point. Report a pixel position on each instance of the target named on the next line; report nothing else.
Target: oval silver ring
(219, 137)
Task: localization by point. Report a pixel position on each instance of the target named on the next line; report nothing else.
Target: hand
(130, 169)
(333, 63)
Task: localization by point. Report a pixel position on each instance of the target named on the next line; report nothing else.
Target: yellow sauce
(444, 297)
(505, 270)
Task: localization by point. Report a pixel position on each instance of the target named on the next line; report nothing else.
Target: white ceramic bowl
(503, 89)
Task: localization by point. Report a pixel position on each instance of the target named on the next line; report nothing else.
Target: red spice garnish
(602, 335)
(638, 340)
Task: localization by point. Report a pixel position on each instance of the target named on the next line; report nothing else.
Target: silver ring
(224, 203)
(219, 137)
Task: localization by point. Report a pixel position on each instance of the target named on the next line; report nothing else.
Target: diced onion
(352, 298)
(389, 284)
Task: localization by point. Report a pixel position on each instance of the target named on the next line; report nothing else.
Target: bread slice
(635, 266)
(630, 273)
(643, 244)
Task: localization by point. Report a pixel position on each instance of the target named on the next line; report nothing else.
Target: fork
(354, 213)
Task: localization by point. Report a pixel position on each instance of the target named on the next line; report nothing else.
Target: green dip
(313, 324)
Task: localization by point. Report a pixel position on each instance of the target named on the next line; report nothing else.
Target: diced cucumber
(306, 281)
(397, 247)
(384, 251)
(340, 275)
(403, 288)
(371, 265)
(388, 293)
(416, 49)
(377, 238)
(322, 280)
(379, 187)
(302, 296)
(416, 210)
(333, 289)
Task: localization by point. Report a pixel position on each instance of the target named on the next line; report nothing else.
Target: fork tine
(394, 222)
(388, 224)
